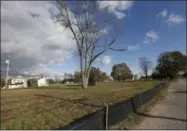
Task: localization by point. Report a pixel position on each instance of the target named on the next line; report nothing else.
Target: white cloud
(119, 15)
(175, 19)
(106, 60)
(133, 47)
(30, 36)
(42, 69)
(170, 18)
(116, 7)
(162, 14)
(151, 36)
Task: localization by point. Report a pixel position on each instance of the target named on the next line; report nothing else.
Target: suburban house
(18, 82)
(42, 82)
(22, 82)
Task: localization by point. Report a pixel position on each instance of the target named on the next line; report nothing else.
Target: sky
(36, 44)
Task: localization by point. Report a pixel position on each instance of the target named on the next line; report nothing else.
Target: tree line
(96, 75)
(169, 65)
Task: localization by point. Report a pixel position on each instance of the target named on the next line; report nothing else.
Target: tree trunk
(82, 73)
(146, 77)
(85, 83)
(85, 77)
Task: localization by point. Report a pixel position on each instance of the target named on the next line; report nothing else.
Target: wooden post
(106, 116)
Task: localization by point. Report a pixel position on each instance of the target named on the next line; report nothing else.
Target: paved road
(169, 113)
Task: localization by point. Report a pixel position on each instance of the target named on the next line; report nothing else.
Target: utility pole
(7, 71)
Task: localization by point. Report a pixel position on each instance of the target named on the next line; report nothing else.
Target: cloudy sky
(36, 44)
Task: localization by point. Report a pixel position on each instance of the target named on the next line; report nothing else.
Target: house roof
(18, 77)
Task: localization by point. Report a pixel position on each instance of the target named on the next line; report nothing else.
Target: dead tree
(88, 25)
(145, 65)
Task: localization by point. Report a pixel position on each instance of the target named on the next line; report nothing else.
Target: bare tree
(89, 27)
(145, 65)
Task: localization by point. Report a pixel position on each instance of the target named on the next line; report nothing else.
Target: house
(42, 82)
(22, 82)
(18, 82)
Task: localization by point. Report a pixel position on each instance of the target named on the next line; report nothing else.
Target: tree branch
(117, 49)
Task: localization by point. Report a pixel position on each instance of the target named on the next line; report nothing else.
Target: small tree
(121, 72)
(145, 65)
(29, 83)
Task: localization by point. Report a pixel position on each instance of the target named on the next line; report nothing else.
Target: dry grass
(54, 107)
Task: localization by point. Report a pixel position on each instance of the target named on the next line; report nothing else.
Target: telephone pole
(7, 71)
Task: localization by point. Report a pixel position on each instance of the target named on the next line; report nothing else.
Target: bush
(92, 80)
(157, 75)
(66, 80)
(32, 82)
(29, 83)
(170, 75)
(50, 81)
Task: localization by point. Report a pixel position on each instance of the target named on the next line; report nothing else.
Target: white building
(18, 82)
(21, 82)
(42, 82)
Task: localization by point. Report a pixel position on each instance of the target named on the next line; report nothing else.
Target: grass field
(54, 107)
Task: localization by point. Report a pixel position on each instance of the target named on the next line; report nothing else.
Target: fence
(114, 114)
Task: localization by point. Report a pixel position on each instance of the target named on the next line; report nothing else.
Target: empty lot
(54, 107)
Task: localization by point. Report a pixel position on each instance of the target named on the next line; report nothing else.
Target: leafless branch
(87, 27)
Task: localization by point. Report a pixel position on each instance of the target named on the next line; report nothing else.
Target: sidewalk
(169, 113)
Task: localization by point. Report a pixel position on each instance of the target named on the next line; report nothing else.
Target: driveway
(169, 113)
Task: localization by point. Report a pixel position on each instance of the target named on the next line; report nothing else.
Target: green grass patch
(56, 106)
